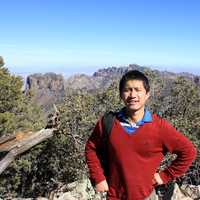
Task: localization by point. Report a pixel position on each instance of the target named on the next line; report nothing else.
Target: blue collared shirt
(131, 128)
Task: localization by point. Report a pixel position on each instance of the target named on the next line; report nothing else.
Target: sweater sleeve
(93, 146)
(177, 143)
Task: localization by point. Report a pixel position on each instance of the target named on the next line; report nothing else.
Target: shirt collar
(147, 116)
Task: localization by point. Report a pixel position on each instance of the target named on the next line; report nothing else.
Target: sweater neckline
(125, 132)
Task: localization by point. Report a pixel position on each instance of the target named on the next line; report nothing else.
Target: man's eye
(126, 90)
(138, 90)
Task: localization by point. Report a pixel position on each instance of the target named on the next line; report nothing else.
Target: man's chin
(132, 108)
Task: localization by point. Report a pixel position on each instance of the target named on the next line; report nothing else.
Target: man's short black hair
(134, 75)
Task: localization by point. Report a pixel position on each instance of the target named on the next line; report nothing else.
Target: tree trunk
(24, 145)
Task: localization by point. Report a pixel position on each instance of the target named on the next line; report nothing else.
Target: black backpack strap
(107, 123)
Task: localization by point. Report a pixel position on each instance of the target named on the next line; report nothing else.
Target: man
(136, 146)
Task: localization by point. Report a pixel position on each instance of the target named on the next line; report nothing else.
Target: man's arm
(93, 146)
(176, 143)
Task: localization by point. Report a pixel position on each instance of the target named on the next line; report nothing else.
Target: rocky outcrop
(79, 190)
(81, 81)
(46, 89)
(49, 81)
(82, 190)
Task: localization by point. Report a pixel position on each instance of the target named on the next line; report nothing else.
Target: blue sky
(76, 36)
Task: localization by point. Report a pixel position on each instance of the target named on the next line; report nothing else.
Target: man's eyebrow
(132, 86)
(136, 87)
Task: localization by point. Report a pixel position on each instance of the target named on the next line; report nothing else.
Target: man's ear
(147, 95)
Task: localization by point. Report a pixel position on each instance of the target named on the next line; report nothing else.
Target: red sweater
(133, 159)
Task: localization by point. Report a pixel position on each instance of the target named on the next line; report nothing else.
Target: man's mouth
(132, 101)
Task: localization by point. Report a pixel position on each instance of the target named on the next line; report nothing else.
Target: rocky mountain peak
(48, 81)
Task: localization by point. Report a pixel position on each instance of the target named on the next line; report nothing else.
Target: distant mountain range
(51, 88)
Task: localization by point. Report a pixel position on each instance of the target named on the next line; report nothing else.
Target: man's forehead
(137, 83)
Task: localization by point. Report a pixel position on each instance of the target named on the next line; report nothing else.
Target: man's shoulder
(157, 118)
(160, 121)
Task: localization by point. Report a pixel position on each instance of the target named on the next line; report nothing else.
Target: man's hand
(157, 180)
(102, 186)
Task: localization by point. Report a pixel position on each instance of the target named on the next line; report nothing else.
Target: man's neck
(135, 116)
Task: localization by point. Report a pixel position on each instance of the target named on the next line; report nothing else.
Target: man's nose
(132, 93)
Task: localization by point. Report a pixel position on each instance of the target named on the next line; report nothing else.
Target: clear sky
(83, 35)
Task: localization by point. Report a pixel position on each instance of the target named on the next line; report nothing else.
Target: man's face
(134, 95)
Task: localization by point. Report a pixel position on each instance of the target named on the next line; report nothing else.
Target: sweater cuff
(98, 179)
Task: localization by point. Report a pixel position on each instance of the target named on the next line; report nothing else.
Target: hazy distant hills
(51, 88)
